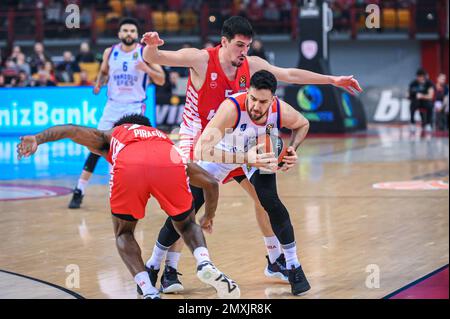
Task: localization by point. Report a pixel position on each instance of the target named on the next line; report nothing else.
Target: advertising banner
(30, 110)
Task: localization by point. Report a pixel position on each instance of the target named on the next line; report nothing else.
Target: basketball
(274, 144)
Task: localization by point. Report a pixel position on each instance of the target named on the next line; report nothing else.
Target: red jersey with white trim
(201, 105)
(126, 134)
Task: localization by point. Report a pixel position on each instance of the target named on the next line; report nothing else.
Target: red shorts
(146, 169)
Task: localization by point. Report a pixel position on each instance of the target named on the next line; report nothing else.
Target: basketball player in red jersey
(215, 74)
(145, 163)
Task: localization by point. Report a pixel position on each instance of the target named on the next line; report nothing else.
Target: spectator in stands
(50, 68)
(43, 79)
(23, 79)
(441, 103)
(2, 81)
(10, 72)
(85, 55)
(15, 52)
(84, 81)
(255, 11)
(38, 58)
(22, 65)
(208, 44)
(66, 69)
(271, 12)
(257, 49)
(421, 94)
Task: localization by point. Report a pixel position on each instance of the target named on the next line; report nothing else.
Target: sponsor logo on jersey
(213, 85)
(135, 56)
(243, 81)
(269, 128)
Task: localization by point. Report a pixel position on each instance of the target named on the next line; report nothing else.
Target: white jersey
(245, 132)
(243, 136)
(126, 83)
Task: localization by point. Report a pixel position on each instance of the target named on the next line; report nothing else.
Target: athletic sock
(290, 253)
(158, 254)
(273, 247)
(143, 281)
(82, 185)
(172, 259)
(201, 254)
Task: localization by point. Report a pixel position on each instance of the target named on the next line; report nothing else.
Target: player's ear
(224, 41)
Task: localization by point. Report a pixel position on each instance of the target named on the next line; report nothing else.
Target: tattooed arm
(103, 75)
(97, 141)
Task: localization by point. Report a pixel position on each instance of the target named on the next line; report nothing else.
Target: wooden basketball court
(346, 230)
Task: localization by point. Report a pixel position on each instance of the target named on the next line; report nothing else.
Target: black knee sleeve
(266, 189)
(91, 162)
(168, 235)
(199, 198)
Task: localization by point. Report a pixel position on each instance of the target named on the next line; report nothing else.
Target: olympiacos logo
(310, 49)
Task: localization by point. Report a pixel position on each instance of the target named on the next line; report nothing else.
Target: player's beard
(256, 118)
(128, 41)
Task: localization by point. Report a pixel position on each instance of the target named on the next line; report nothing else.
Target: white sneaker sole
(175, 288)
(226, 288)
(276, 275)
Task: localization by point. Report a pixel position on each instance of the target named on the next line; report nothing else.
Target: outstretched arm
(299, 76)
(97, 141)
(189, 57)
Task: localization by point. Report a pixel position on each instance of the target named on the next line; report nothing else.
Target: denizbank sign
(30, 110)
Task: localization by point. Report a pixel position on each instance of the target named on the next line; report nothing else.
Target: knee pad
(91, 162)
(199, 199)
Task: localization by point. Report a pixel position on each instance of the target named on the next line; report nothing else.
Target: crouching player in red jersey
(145, 163)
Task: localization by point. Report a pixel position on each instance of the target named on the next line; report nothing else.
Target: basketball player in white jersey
(227, 141)
(127, 76)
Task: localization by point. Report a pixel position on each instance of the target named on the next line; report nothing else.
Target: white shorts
(220, 170)
(114, 111)
(188, 137)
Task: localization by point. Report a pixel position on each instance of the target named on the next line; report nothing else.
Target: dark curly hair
(133, 119)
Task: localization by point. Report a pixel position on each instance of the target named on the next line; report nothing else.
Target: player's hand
(96, 89)
(290, 160)
(264, 161)
(206, 223)
(348, 83)
(27, 146)
(152, 39)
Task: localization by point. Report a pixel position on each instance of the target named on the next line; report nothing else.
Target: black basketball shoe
(277, 269)
(169, 281)
(153, 274)
(298, 281)
(77, 198)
